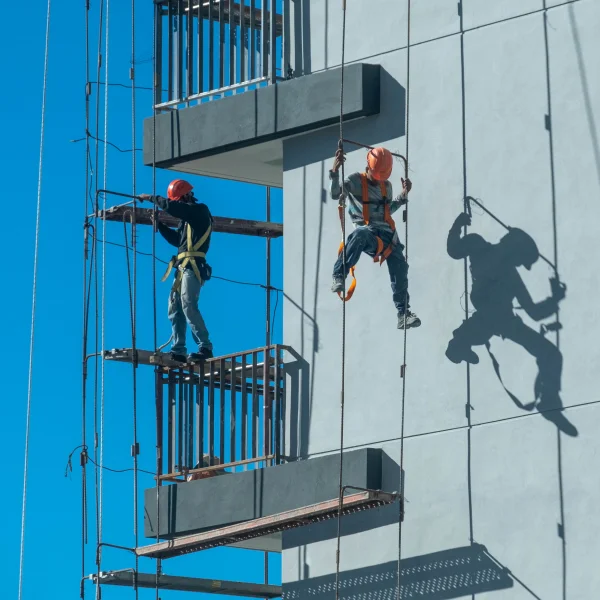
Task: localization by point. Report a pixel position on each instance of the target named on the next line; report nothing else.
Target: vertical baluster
(244, 417)
(277, 404)
(211, 413)
(233, 410)
(191, 404)
(170, 53)
(255, 414)
(285, 40)
(211, 46)
(242, 41)
(223, 386)
(264, 37)
(189, 21)
(252, 50)
(267, 404)
(200, 417)
(179, 41)
(158, 396)
(179, 419)
(172, 421)
(283, 404)
(221, 43)
(232, 42)
(200, 49)
(273, 41)
(158, 43)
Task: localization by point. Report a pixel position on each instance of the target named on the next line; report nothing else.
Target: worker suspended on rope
(192, 238)
(371, 204)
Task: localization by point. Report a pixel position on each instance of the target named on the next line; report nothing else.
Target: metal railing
(210, 48)
(227, 413)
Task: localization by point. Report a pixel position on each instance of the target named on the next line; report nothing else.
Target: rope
(97, 471)
(407, 121)
(88, 190)
(33, 305)
(134, 303)
(100, 466)
(342, 202)
(154, 308)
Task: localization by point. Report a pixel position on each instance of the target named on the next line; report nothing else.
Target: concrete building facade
(499, 494)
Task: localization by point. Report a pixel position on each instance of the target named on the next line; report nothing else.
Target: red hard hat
(178, 188)
(380, 163)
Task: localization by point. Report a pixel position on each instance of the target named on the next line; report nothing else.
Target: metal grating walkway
(188, 584)
(265, 525)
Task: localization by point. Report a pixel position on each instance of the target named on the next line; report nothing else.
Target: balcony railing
(226, 413)
(211, 48)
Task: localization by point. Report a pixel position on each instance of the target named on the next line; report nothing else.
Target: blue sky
(234, 314)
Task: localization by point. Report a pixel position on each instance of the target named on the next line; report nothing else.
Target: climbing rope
(97, 470)
(403, 369)
(341, 208)
(155, 50)
(86, 296)
(135, 447)
(33, 304)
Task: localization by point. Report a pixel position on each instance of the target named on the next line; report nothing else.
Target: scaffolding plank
(188, 584)
(143, 216)
(239, 532)
(221, 366)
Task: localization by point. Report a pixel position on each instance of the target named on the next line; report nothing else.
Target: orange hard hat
(380, 163)
(178, 188)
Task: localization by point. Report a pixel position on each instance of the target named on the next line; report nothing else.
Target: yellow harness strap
(188, 257)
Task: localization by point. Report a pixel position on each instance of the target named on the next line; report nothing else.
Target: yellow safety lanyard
(188, 257)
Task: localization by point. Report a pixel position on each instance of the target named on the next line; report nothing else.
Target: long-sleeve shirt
(353, 185)
(197, 215)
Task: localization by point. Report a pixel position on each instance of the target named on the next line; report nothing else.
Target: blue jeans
(364, 239)
(183, 308)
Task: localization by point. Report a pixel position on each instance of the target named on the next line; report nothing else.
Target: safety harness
(382, 253)
(182, 260)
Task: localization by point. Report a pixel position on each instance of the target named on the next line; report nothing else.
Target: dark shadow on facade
(302, 44)
(495, 284)
(358, 522)
(372, 131)
(443, 575)
(297, 405)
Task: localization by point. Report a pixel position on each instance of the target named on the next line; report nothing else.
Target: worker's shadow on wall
(495, 284)
(389, 124)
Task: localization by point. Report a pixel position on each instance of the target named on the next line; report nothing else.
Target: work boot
(457, 353)
(408, 318)
(337, 286)
(201, 355)
(177, 357)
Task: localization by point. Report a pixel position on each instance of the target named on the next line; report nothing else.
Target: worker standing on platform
(192, 238)
(371, 204)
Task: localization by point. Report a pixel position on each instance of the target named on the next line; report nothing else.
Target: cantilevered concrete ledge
(239, 137)
(196, 506)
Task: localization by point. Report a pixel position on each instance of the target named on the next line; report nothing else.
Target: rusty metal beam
(187, 584)
(322, 511)
(143, 216)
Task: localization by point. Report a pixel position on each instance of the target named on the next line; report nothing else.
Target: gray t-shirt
(353, 185)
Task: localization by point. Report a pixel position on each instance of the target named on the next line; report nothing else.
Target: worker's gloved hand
(406, 186)
(338, 160)
(143, 197)
(462, 220)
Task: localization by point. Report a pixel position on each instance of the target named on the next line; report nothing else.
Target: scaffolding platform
(125, 578)
(291, 519)
(219, 366)
(143, 216)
